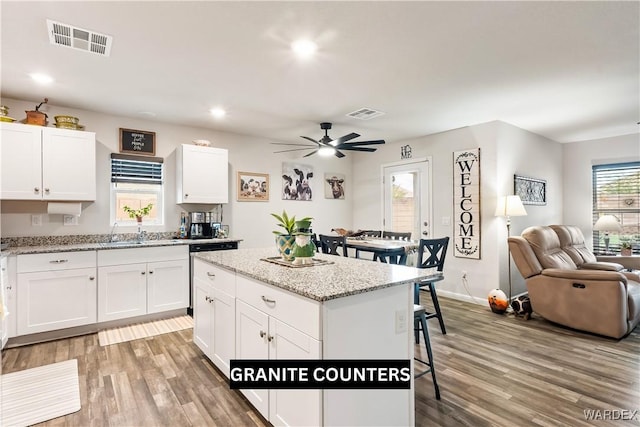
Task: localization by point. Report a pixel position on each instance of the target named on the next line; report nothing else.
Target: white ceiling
(567, 70)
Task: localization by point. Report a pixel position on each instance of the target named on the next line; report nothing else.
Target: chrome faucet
(113, 229)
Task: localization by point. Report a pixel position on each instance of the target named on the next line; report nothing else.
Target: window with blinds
(616, 191)
(136, 182)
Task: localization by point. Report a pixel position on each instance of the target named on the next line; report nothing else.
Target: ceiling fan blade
(345, 138)
(367, 149)
(286, 143)
(357, 143)
(339, 154)
(310, 139)
(311, 153)
(294, 149)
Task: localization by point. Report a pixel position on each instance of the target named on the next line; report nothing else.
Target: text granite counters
(344, 277)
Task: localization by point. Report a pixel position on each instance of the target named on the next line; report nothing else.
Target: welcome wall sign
(466, 203)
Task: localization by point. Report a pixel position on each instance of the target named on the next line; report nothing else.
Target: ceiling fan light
(326, 151)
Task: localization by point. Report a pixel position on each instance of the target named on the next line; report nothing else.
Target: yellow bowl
(67, 119)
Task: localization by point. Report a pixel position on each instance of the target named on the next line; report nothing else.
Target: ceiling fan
(326, 146)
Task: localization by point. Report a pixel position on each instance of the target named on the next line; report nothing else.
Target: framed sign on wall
(466, 203)
(532, 191)
(137, 142)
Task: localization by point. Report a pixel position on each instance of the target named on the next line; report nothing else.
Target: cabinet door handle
(46, 190)
(207, 299)
(267, 300)
(210, 274)
(186, 195)
(9, 287)
(262, 334)
(92, 278)
(143, 272)
(58, 261)
(151, 272)
(36, 190)
(270, 338)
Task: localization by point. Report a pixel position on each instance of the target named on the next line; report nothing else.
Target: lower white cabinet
(55, 291)
(139, 281)
(260, 336)
(214, 312)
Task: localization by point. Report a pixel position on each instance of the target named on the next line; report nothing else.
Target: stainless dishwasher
(204, 247)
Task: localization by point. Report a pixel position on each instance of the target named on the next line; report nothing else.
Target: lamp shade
(510, 206)
(607, 223)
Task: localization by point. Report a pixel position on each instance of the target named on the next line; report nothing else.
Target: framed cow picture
(334, 186)
(297, 181)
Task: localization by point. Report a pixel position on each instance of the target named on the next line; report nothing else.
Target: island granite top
(344, 277)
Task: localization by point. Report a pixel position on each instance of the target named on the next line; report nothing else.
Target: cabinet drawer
(299, 312)
(56, 261)
(219, 278)
(138, 255)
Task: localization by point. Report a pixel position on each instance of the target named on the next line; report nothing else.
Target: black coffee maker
(200, 225)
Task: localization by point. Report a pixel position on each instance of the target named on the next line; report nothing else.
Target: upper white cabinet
(43, 163)
(202, 174)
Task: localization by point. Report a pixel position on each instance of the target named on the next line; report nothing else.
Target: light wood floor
(493, 370)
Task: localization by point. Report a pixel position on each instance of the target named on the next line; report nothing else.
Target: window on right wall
(616, 191)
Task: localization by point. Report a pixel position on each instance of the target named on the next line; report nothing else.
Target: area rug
(39, 394)
(144, 330)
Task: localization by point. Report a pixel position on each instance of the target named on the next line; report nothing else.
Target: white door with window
(407, 195)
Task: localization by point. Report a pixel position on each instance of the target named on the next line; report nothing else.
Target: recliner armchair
(604, 302)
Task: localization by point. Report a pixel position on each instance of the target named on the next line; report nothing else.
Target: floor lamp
(607, 223)
(507, 207)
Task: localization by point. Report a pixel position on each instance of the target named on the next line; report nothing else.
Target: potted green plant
(138, 213)
(285, 239)
(626, 247)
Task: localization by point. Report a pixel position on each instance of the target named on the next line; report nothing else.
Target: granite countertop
(344, 277)
(75, 247)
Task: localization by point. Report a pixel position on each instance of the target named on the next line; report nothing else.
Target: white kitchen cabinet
(55, 291)
(5, 312)
(122, 291)
(138, 281)
(38, 163)
(261, 334)
(214, 312)
(202, 174)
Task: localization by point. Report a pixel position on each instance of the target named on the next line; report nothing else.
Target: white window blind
(134, 169)
(616, 191)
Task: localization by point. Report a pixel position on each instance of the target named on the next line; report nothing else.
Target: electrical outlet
(446, 220)
(36, 220)
(70, 220)
(401, 321)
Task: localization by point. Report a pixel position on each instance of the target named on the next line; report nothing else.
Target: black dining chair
(314, 239)
(431, 254)
(396, 235)
(371, 233)
(332, 244)
(420, 320)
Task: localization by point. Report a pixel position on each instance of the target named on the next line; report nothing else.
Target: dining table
(395, 251)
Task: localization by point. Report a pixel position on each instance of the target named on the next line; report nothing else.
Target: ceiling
(569, 71)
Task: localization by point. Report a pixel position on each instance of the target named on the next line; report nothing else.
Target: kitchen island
(343, 308)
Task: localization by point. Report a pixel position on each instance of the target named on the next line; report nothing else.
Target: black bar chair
(332, 244)
(420, 319)
(393, 259)
(431, 254)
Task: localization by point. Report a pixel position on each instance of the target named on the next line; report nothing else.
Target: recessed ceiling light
(43, 79)
(218, 113)
(304, 48)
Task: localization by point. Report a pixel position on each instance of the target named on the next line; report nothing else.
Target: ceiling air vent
(78, 38)
(365, 114)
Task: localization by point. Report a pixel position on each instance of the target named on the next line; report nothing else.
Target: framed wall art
(466, 203)
(296, 181)
(334, 186)
(137, 142)
(253, 187)
(532, 191)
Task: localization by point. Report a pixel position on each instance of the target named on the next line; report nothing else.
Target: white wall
(504, 150)
(247, 220)
(578, 159)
